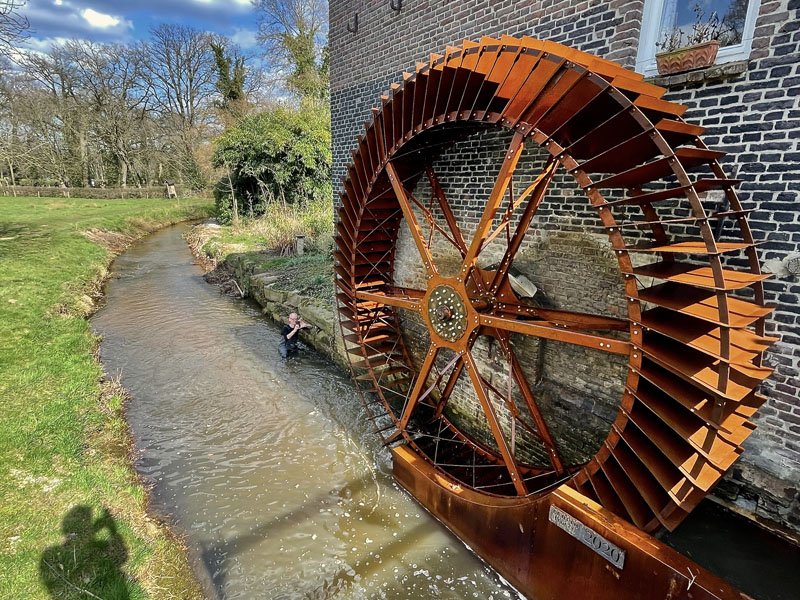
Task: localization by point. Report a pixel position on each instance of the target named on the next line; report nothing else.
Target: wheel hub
(447, 313)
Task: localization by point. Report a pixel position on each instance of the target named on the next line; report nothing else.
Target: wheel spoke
(419, 384)
(572, 319)
(411, 220)
(449, 217)
(550, 331)
(536, 191)
(491, 417)
(510, 160)
(398, 297)
(533, 408)
(448, 388)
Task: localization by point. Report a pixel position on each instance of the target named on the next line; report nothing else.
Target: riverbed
(267, 466)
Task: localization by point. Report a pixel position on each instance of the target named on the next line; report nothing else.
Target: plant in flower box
(682, 51)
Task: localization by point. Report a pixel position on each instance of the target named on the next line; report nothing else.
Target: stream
(270, 470)
(267, 466)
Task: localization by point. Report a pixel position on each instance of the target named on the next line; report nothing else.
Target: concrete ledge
(731, 69)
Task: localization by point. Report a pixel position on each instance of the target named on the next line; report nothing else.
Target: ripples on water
(267, 466)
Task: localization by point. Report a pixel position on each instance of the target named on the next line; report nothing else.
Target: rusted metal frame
(530, 401)
(507, 59)
(389, 192)
(511, 158)
(518, 373)
(361, 172)
(714, 260)
(428, 214)
(415, 393)
(536, 55)
(448, 389)
(364, 150)
(512, 407)
(513, 205)
(572, 103)
(397, 302)
(409, 92)
(429, 102)
(474, 78)
(489, 57)
(547, 330)
(559, 94)
(507, 78)
(377, 122)
(387, 121)
(446, 210)
(460, 77)
(747, 236)
(411, 221)
(397, 117)
(565, 317)
(538, 190)
(545, 70)
(728, 214)
(420, 87)
(440, 66)
(488, 410)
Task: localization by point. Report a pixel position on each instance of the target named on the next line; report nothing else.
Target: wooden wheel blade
(544, 329)
(491, 417)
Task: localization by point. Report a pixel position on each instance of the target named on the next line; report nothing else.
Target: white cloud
(98, 19)
(244, 38)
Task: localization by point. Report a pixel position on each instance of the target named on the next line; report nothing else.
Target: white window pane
(682, 15)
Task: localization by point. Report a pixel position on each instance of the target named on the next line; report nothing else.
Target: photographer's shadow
(88, 564)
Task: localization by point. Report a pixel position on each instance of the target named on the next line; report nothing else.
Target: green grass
(64, 444)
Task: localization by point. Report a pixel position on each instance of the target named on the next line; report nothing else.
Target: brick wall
(752, 113)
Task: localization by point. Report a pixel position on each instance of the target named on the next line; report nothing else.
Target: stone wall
(751, 110)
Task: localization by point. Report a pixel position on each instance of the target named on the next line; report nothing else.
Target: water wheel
(694, 334)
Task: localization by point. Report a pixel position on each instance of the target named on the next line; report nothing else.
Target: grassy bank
(72, 510)
(268, 244)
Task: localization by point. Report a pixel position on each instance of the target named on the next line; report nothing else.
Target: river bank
(73, 517)
(280, 285)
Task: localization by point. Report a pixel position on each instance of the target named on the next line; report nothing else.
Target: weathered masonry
(749, 105)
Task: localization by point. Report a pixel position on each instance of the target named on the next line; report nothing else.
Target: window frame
(648, 36)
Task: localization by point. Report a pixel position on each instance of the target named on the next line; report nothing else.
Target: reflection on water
(268, 466)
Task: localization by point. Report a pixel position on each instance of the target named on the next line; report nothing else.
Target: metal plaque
(595, 541)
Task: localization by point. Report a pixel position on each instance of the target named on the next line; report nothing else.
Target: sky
(124, 21)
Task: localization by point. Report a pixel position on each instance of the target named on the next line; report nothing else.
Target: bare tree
(12, 25)
(110, 79)
(179, 67)
(295, 34)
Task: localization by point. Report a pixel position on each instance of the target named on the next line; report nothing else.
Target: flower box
(688, 58)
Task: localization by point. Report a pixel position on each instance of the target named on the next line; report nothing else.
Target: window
(663, 17)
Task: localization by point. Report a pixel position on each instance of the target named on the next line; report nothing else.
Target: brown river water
(266, 465)
(270, 470)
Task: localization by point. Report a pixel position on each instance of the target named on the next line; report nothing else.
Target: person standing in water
(288, 344)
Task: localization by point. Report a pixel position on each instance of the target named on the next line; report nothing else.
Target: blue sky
(127, 21)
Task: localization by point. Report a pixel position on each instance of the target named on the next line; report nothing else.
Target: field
(73, 520)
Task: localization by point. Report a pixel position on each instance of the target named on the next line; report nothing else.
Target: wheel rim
(694, 359)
